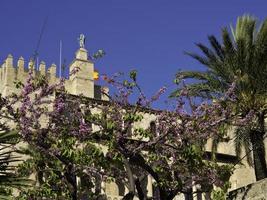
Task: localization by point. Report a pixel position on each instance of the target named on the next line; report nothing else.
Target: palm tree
(240, 57)
(8, 177)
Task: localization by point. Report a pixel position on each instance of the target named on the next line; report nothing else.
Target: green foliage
(99, 54)
(18, 84)
(224, 172)
(133, 75)
(218, 194)
(193, 154)
(132, 117)
(9, 179)
(51, 172)
(239, 58)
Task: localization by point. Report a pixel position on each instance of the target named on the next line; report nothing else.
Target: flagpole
(60, 55)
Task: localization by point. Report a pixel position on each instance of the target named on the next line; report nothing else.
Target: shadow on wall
(256, 191)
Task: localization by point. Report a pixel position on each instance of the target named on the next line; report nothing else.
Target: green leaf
(133, 75)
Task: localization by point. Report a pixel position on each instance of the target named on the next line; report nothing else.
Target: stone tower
(81, 78)
(82, 81)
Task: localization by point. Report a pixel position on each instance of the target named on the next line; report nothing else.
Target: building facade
(83, 83)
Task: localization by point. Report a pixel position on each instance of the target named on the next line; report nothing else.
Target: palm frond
(201, 59)
(202, 90)
(245, 28)
(207, 52)
(242, 140)
(198, 75)
(8, 163)
(228, 45)
(216, 46)
(10, 137)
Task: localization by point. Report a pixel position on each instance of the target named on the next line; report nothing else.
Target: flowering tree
(76, 143)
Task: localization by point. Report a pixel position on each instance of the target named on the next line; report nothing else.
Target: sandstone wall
(255, 191)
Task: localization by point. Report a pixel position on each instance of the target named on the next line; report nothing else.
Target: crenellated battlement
(81, 82)
(10, 73)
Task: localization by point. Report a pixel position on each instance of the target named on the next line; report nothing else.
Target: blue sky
(147, 35)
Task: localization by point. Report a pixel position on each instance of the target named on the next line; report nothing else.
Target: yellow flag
(96, 75)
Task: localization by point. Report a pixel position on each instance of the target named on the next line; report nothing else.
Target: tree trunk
(165, 195)
(140, 192)
(71, 178)
(130, 194)
(257, 141)
(130, 175)
(138, 160)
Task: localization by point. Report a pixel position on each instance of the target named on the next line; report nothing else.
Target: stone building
(83, 83)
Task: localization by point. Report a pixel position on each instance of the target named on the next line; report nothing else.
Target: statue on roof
(81, 40)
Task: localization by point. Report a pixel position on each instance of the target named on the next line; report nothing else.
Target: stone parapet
(254, 191)
(10, 74)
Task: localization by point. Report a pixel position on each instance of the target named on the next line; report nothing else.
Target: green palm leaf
(8, 162)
